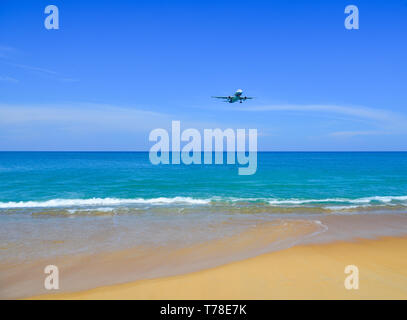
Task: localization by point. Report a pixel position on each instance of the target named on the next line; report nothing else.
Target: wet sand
(300, 272)
(87, 271)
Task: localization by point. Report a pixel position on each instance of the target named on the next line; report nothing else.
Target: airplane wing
(221, 97)
(248, 98)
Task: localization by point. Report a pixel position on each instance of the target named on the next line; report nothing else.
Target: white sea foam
(56, 203)
(331, 203)
(366, 200)
(99, 209)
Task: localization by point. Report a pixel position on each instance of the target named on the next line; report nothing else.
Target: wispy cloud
(76, 126)
(6, 52)
(32, 68)
(8, 79)
(43, 71)
(83, 126)
(386, 121)
(357, 133)
(361, 112)
(95, 116)
(92, 116)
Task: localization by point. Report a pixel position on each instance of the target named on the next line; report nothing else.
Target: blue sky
(115, 70)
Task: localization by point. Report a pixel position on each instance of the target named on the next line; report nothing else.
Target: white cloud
(84, 126)
(361, 112)
(386, 121)
(356, 133)
(94, 116)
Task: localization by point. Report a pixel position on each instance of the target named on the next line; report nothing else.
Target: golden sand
(301, 272)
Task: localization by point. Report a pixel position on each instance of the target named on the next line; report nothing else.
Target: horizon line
(146, 151)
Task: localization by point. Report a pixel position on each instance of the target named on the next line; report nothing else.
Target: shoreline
(311, 271)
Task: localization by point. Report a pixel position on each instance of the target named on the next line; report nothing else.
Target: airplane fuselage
(236, 97)
(233, 99)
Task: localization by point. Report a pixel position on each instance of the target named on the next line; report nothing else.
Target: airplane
(236, 97)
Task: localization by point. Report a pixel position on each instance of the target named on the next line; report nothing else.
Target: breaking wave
(108, 203)
(60, 203)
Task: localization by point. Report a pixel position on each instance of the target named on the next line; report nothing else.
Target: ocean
(117, 181)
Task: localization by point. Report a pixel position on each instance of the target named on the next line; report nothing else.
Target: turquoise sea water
(121, 180)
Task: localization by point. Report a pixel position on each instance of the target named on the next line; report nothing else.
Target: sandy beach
(302, 272)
